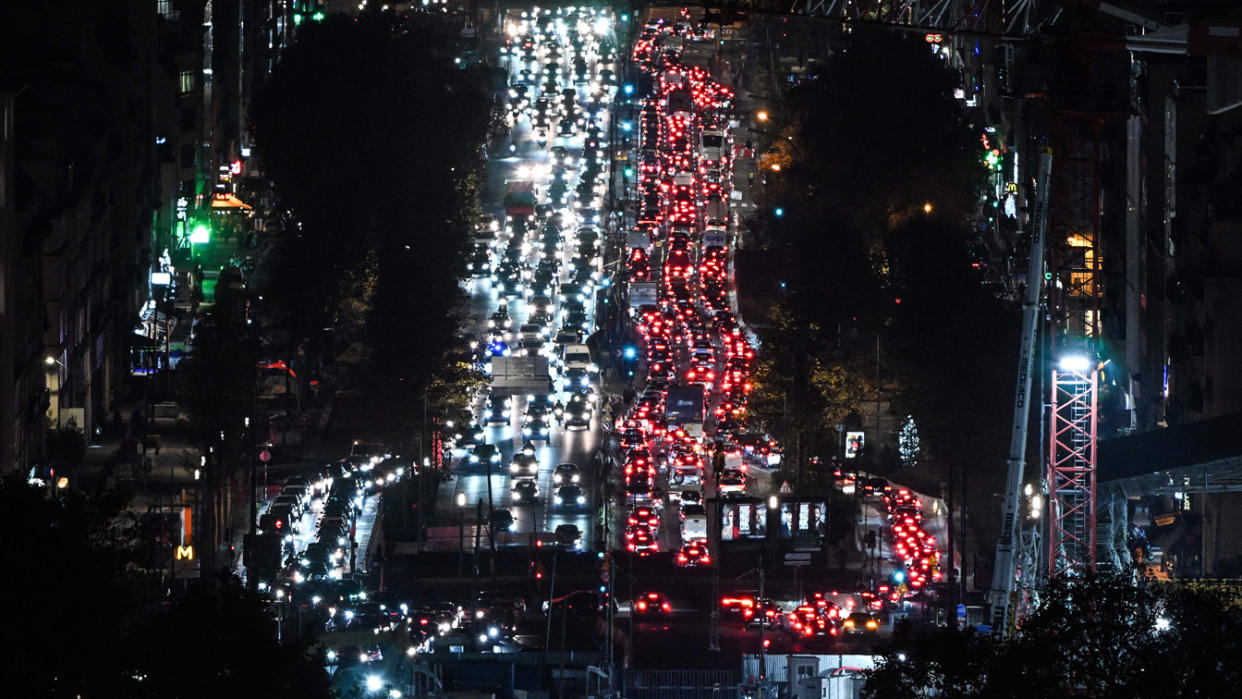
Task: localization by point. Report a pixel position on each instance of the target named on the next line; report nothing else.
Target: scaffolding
(1075, 239)
(1071, 471)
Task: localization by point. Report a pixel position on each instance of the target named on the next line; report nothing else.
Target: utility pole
(491, 531)
(461, 532)
(713, 637)
(547, 634)
(763, 622)
(474, 590)
(877, 397)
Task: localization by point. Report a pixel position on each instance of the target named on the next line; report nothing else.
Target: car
(644, 542)
(291, 501)
(582, 603)
(807, 621)
(652, 603)
(578, 357)
(480, 262)
(569, 536)
(575, 380)
(536, 423)
(693, 524)
(524, 492)
(763, 612)
(577, 415)
(496, 411)
(473, 434)
(566, 473)
(644, 516)
(524, 464)
(569, 497)
(692, 510)
(279, 520)
(732, 482)
(316, 559)
(502, 520)
(693, 554)
(483, 455)
(860, 623)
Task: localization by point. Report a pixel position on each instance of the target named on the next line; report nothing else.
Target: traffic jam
(536, 271)
(695, 359)
(695, 353)
(682, 437)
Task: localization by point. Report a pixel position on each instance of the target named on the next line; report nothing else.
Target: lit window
(187, 82)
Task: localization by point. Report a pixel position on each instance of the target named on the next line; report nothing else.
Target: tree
(953, 348)
(802, 389)
(225, 645)
(88, 617)
(1097, 636)
(218, 383)
(76, 589)
(858, 161)
(374, 139)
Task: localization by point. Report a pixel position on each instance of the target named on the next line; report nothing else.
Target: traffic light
(200, 234)
(778, 211)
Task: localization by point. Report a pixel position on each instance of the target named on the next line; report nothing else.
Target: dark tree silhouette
(374, 140)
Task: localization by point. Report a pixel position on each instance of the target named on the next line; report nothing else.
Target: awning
(136, 340)
(229, 201)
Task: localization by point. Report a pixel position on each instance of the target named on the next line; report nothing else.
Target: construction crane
(1005, 570)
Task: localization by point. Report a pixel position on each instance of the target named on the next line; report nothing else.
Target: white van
(694, 528)
(578, 357)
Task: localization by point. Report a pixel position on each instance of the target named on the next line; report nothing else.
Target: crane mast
(1004, 571)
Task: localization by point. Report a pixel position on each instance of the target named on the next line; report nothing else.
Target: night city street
(833, 350)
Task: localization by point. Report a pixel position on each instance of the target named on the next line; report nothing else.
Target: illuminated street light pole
(461, 532)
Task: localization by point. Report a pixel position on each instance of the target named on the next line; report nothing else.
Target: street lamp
(461, 531)
(927, 208)
(761, 115)
(374, 683)
(50, 364)
(1077, 364)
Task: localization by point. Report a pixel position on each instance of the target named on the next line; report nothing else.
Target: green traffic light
(200, 234)
(297, 18)
(318, 16)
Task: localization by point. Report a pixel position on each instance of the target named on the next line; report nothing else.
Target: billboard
(803, 519)
(743, 520)
(749, 520)
(853, 444)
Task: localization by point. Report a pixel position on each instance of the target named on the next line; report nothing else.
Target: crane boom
(1004, 569)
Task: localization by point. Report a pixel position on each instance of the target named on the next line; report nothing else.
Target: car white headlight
(557, 499)
(581, 499)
